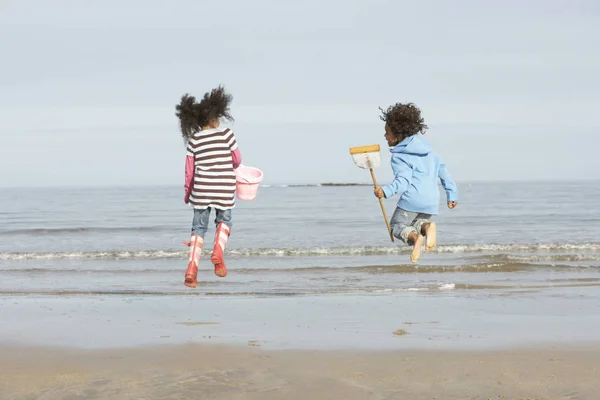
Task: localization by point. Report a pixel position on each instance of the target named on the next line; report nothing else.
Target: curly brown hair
(193, 115)
(187, 114)
(403, 120)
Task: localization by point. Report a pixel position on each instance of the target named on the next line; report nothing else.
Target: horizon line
(304, 184)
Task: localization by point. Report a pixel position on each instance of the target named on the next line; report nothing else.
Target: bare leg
(417, 241)
(430, 231)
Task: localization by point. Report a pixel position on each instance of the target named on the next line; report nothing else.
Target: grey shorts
(404, 222)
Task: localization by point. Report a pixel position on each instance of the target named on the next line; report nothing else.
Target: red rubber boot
(217, 256)
(191, 274)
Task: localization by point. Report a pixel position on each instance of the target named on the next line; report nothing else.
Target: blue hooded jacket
(416, 171)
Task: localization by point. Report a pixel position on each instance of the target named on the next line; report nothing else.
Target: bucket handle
(242, 178)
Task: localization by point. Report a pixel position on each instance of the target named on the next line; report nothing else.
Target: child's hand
(186, 198)
(452, 204)
(379, 193)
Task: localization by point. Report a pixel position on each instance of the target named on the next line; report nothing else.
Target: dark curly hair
(404, 120)
(187, 114)
(193, 115)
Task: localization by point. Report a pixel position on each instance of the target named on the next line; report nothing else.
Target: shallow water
(506, 245)
(296, 240)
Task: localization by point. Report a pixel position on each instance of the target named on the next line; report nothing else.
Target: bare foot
(416, 253)
(431, 234)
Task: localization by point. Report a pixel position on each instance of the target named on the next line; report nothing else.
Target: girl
(416, 170)
(212, 155)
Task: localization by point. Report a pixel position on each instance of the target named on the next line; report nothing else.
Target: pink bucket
(247, 180)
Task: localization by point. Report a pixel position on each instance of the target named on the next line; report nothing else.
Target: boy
(416, 170)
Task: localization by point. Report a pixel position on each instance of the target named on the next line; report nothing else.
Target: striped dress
(213, 184)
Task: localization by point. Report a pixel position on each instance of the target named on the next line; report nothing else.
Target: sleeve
(237, 158)
(230, 138)
(447, 182)
(401, 182)
(189, 174)
(189, 151)
(189, 168)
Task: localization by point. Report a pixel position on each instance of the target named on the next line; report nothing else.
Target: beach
(318, 305)
(439, 345)
(117, 118)
(226, 372)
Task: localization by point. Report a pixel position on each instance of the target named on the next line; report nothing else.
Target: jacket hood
(414, 145)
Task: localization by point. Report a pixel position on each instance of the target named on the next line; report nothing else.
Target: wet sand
(446, 320)
(249, 372)
(460, 343)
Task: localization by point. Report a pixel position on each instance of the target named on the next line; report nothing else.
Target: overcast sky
(510, 89)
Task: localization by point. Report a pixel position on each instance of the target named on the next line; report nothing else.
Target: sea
(525, 241)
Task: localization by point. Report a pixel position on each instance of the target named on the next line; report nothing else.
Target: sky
(509, 89)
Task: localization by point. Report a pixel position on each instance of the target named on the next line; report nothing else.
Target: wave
(550, 258)
(517, 287)
(317, 272)
(62, 231)
(592, 251)
(242, 293)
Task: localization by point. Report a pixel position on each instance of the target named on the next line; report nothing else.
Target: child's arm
(401, 182)
(237, 158)
(189, 177)
(448, 183)
(189, 174)
(235, 151)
